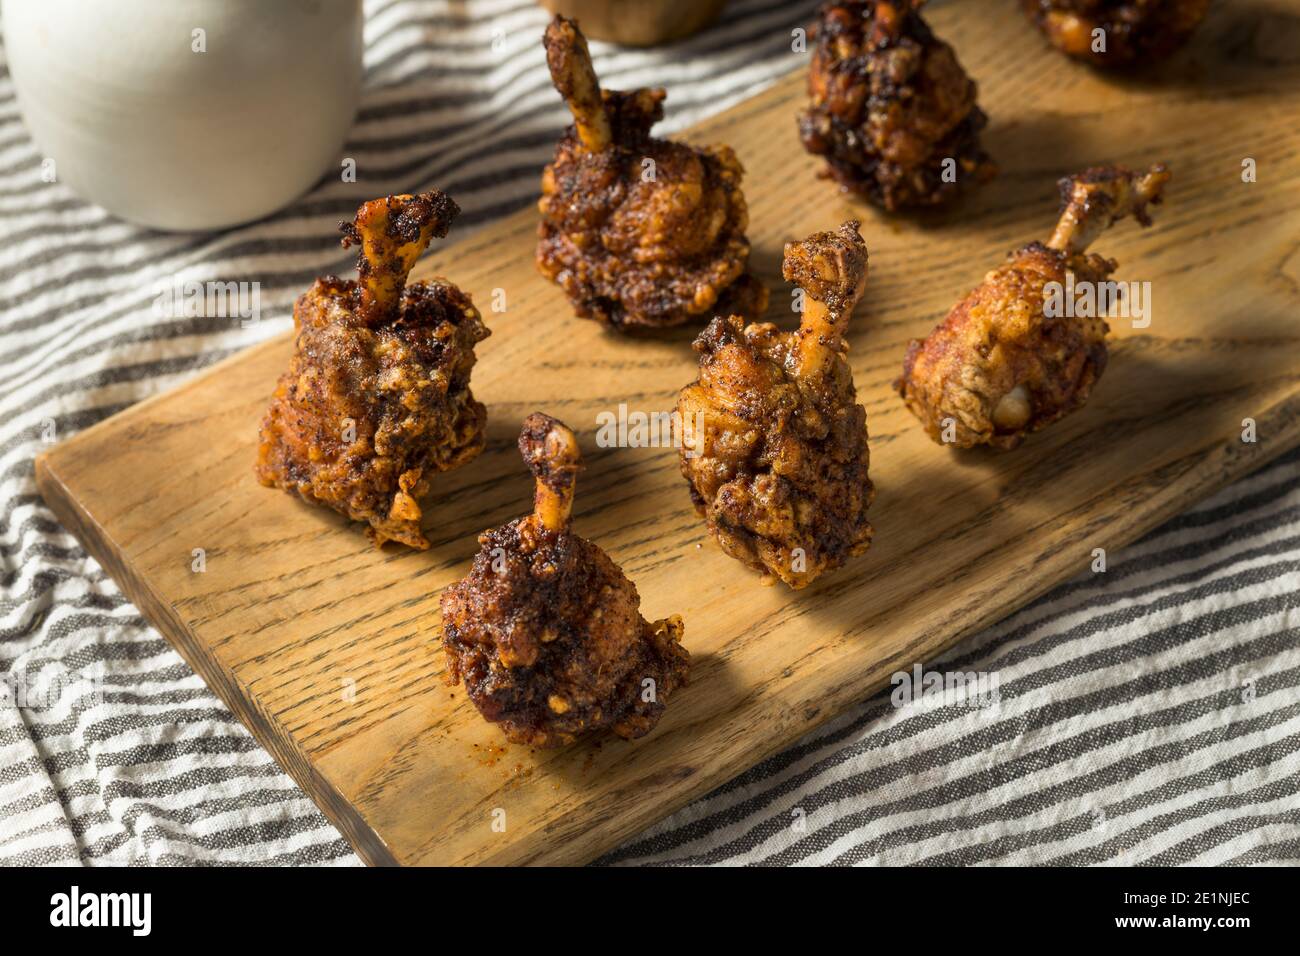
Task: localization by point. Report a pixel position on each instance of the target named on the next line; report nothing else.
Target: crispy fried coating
(546, 630)
(638, 231)
(1002, 365)
(891, 105)
(777, 462)
(1133, 31)
(376, 400)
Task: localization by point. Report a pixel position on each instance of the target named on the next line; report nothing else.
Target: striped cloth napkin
(1148, 714)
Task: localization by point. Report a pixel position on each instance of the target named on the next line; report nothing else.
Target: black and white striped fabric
(1148, 714)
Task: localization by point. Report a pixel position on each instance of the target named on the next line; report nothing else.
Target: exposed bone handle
(569, 60)
(551, 452)
(1095, 198)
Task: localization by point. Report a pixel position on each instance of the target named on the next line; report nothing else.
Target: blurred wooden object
(639, 22)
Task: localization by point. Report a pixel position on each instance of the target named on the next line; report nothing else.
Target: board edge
(220, 680)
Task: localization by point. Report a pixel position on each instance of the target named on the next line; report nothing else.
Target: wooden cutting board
(327, 649)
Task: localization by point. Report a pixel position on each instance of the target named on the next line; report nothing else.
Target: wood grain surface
(327, 649)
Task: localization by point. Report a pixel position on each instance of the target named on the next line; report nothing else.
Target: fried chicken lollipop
(1002, 364)
(1131, 31)
(778, 460)
(546, 631)
(638, 231)
(892, 109)
(376, 399)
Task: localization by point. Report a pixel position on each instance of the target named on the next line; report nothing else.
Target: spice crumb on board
(490, 755)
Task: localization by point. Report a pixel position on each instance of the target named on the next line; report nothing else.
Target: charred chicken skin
(376, 400)
(638, 231)
(892, 110)
(999, 366)
(1117, 32)
(777, 462)
(546, 631)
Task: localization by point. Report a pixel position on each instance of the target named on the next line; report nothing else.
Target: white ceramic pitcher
(187, 114)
